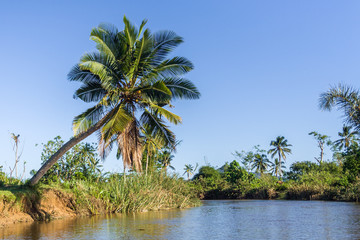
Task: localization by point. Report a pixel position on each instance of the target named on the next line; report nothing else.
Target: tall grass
(135, 193)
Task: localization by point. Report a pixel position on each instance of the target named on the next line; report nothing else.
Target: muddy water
(253, 219)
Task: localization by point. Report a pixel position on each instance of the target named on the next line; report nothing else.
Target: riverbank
(328, 183)
(284, 191)
(136, 193)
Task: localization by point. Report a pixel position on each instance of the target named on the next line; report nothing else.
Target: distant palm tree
(347, 138)
(344, 98)
(152, 143)
(261, 163)
(322, 141)
(189, 170)
(165, 159)
(277, 167)
(131, 80)
(281, 148)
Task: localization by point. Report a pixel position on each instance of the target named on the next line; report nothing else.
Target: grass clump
(134, 193)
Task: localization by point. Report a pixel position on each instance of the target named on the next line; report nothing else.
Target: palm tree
(131, 81)
(260, 163)
(344, 98)
(151, 144)
(277, 167)
(189, 170)
(322, 140)
(165, 159)
(347, 138)
(281, 148)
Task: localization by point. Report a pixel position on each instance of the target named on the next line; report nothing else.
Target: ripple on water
(228, 219)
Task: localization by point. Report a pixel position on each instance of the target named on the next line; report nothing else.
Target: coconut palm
(343, 98)
(277, 167)
(165, 159)
(131, 81)
(347, 138)
(151, 144)
(281, 148)
(260, 163)
(189, 170)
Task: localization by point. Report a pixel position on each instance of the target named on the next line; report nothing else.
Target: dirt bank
(51, 204)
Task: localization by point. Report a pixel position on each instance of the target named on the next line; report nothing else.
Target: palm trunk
(124, 173)
(66, 147)
(280, 172)
(147, 163)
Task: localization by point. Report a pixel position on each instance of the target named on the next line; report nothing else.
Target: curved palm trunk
(66, 147)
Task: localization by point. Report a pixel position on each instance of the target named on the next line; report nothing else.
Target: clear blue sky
(260, 66)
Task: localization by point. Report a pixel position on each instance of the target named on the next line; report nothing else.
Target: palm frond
(87, 119)
(101, 65)
(182, 88)
(76, 74)
(116, 124)
(90, 92)
(171, 117)
(344, 98)
(131, 32)
(164, 43)
(159, 126)
(104, 41)
(172, 67)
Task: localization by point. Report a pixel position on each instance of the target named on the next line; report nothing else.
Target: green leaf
(116, 124)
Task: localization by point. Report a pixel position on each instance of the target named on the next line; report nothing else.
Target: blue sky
(260, 66)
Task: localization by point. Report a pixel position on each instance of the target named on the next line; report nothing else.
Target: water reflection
(149, 225)
(213, 220)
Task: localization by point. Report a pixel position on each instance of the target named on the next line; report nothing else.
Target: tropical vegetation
(131, 82)
(327, 179)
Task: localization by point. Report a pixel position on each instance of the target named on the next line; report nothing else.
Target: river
(228, 219)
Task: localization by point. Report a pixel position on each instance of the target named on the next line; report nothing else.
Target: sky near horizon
(259, 65)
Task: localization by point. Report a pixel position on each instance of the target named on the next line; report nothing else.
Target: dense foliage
(306, 180)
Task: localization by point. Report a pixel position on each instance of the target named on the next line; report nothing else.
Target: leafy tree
(81, 162)
(207, 172)
(261, 163)
(322, 140)
(131, 81)
(246, 158)
(89, 161)
(281, 148)
(298, 169)
(235, 172)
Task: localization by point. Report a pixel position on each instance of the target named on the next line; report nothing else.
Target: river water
(228, 219)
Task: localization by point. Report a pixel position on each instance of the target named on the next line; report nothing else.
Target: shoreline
(54, 205)
(27, 205)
